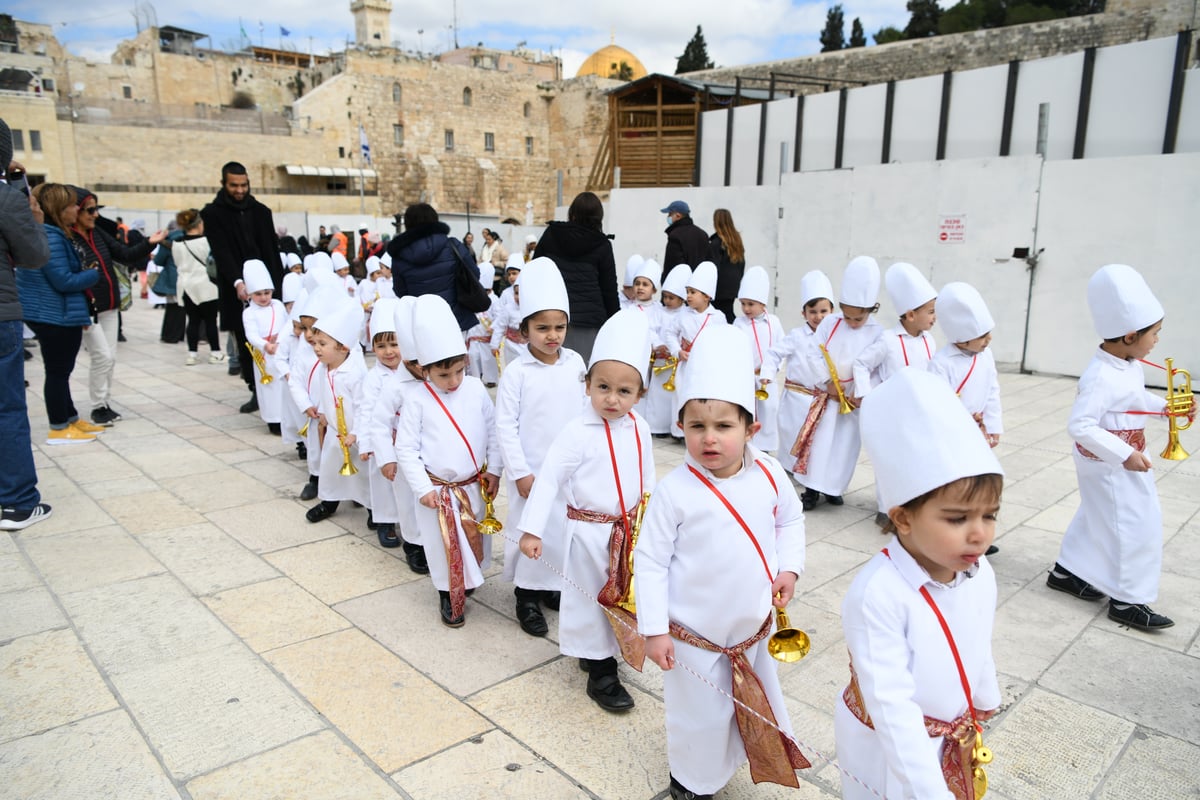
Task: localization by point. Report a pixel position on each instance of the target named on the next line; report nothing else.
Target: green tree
(857, 37)
(695, 55)
(923, 19)
(834, 35)
(888, 35)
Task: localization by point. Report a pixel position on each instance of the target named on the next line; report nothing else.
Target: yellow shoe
(69, 435)
(83, 426)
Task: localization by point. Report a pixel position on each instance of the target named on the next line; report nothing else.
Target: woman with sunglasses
(97, 249)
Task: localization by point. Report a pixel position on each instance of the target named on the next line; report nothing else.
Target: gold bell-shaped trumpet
(1179, 404)
(761, 393)
(348, 467)
(669, 385)
(787, 644)
(489, 525)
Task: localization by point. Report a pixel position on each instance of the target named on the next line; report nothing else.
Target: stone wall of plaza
(1124, 21)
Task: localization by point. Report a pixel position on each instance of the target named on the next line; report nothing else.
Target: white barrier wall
(1129, 98)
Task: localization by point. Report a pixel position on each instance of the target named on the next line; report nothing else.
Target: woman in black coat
(727, 252)
(425, 259)
(584, 256)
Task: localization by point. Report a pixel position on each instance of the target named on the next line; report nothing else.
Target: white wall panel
(819, 145)
(976, 112)
(915, 119)
(781, 128)
(744, 171)
(712, 149)
(863, 142)
(1188, 138)
(1130, 90)
(1054, 81)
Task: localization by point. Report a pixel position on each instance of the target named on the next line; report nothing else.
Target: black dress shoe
(680, 792)
(414, 554)
(322, 510)
(301, 451)
(1138, 615)
(371, 521)
(275, 428)
(834, 499)
(310, 489)
(551, 600)
(387, 535)
(446, 609)
(808, 499)
(882, 519)
(608, 693)
(1063, 580)
(250, 406)
(529, 614)
(234, 369)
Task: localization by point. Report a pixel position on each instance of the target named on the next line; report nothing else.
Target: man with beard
(239, 228)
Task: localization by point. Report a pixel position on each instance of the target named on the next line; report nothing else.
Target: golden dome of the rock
(612, 61)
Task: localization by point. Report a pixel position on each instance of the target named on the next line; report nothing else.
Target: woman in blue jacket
(56, 309)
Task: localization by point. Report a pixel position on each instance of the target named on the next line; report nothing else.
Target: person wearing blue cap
(687, 243)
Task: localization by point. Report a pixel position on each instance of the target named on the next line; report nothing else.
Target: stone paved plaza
(177, 629)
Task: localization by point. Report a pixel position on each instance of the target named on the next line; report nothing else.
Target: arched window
(396, 93)
(528, 109)
(467, 96)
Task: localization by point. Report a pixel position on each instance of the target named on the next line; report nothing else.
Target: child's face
(855, 317)
(980, 344)
(448, 379)
(306, 328)
(262, 297)
(948, 533)
(297, 268)
(297, 329)
(671, 301)
(614, 387)
(1142, 345)
(643, 290)
(330, 352)
(343, 272)
(387, 352)
(385, 273)
(752, 308)
(716, 435)
(517, 294)
(512, 275)
(375, 274)
(546, 332)
(921, 318)
(817, 312)
(697, 301)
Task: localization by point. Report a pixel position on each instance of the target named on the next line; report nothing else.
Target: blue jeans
(18, 477)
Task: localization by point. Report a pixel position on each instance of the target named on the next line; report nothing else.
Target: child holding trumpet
(1113, 545)
(762, 330)
(659, 400)
(655, 406)
(722, 543)
(264, 319)
(689, 325)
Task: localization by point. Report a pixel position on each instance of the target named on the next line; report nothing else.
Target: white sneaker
(191, 360)
(216, 358)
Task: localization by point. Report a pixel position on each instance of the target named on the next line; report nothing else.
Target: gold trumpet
(761, 393)
(628, 602)
(787, 644)
(1179, 404)
(489, 525)
(348, 467)
(844, 406)
(669, 386)
(668, 363)
(261, 363)
(304, 430)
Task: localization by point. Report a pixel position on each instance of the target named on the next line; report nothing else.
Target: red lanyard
(271, 327)
(455, 424)
(962, 673)
(312, 372)
(836, 324)
(904, 350)
(692, 344)
(974, 358)
(332, 391)
(757, 344)
(612, 454)
(737, 516)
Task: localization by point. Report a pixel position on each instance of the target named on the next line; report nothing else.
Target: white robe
(695, 565)
(688, 324)
(534, 402)
(978, 388)
(1115, 540)
(906, 672)
(266, 324)
(427, 440)
(480, 361)
(343, 382)
(383, 498)
(383, 429)
(891, 352)
(578, 466)
(656, 405)
(793, 405)
(302, 370)
(506, 314)
(293, 417)
(763, 332)
(836, 443)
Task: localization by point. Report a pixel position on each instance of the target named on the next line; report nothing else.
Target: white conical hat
(632, 266)
(343, 322)
(383, 315)
(1121, 301)
(293, 260)
(907, 287)
(316, 278)
(755, 285)
(704, 278)
(860, 282)
(339, 261)
(515, 261)
(372, 264)
(404, 327)
(962, 314)
(542, 288)
(386, 260)
(677, 280)
(255, 276)
(651, 271)
(815, 285)
(321, 261)
(625, 337)
(436, 331)
(920, 437)
(720, 367)
(310, 262)
(293, 284)
(324, 300)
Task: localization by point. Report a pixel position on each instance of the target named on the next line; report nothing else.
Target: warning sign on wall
(952, 228)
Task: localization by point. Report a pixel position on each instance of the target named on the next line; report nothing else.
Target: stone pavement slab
(1154, 767)
(338, 569)
(77, 560)
(275, 613)
(27, 611)
(272, 524)
(206, 559)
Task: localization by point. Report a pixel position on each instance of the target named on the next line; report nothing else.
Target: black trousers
(202, 314)
(59, 345)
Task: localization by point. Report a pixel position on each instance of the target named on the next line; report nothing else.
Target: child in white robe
(658, 400)
(446, 447)
(539, 394)
(1113, 545)
(762, 330)
(292, 417)
(383, 514)
(480, 361)
(628, 295)
(341, 268)
(302, 368)
(506, 314)
(908, 704)
(965, 362)
(721, 544)
(689, 325)
(337, 384)
(264, 319)
(602, 464)
(655, 406)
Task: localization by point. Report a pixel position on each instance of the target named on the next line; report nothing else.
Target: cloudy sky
(737, 32)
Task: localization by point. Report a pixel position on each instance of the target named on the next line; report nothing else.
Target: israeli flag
(362, 141)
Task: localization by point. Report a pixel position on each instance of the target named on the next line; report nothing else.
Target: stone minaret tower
(372, 22)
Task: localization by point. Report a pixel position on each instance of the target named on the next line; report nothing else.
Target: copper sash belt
(773, 756)
(514, 335)
(623, 623)
(1135, 438)
(478, 339)
(454, 555)
(802, 447)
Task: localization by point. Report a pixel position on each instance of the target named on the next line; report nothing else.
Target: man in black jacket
(687, 243)
(240, 228)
